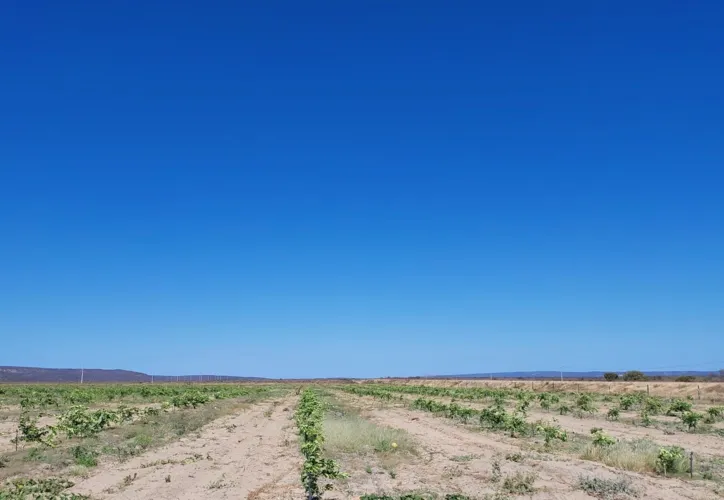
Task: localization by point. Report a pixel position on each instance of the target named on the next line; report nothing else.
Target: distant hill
(91, 375)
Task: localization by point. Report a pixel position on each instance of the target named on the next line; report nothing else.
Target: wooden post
(698, 391)
(647, 389)
(691, 465)
(16, 440)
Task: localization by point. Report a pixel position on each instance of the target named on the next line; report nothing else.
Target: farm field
(401, 439)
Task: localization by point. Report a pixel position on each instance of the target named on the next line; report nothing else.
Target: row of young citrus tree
(582, 404)
(309, 417)
(81, 421)
(48, 396)
(497, 417)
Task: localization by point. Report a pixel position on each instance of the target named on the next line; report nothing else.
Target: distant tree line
(638, 376)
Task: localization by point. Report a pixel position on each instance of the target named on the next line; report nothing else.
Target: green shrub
(50, 488)
(600, 438)
(85, 456)
(584, 404)
(653, 406)
(670, 460)
(691, 418)
(551, 432)
(613, 414)
(714, 413)
(610, 376)
(634, 376)
(678, 406)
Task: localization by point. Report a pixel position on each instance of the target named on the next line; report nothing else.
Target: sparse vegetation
(49, 488)
(520, 483)
(607, 489)
(71, 432)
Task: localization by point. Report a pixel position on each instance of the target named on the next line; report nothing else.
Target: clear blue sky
(362, 188)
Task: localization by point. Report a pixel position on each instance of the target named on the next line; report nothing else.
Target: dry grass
(636, 456)
(708, 391)
(350, 433)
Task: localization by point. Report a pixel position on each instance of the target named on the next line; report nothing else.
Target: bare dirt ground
(706, 391)
(252, 455)
(455, 459)
(704, 444)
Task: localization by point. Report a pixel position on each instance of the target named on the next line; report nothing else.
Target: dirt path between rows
(249, 456)
(443, 441)
(702, 444)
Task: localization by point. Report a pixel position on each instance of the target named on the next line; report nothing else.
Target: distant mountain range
(90, 375)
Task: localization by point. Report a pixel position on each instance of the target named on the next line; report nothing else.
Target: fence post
(691, 465)
(698, 391)
(647, 390)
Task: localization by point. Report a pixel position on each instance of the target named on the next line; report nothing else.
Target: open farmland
(401, 439)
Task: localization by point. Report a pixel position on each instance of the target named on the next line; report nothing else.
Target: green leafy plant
(627, 402)
(584, 404)
(653, 406)
(600, 438)
(610, 376)
(691, 418)
(85, 456)
(50, 488)
(645, 418)
(678, 406)
(309, 416)
(82, 422)
(516, 424)
(670, 459)
(714, 413)
(29, 431)
(613, 414)
(551, 432)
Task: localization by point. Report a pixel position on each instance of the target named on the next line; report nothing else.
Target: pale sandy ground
(9, 427)
(252, 455)
(701, 444)
(707, 391)
(441, 440)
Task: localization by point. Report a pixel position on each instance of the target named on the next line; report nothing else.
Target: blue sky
(362, 188)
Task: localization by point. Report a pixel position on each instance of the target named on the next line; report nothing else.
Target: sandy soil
(441, 441)
(252, 455)
(703, 391)
(704, 444)
(10, 426)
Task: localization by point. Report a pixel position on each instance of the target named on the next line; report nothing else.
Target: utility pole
(152, 379)
(561, 375)
(81, 375)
